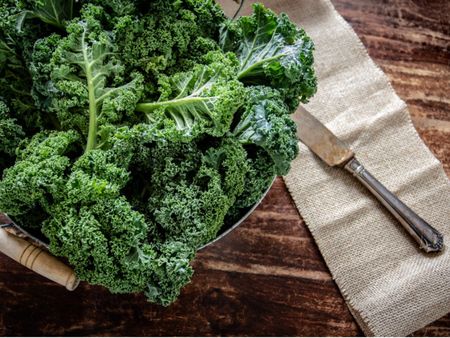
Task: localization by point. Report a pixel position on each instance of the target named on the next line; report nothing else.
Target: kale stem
(150, 106)
(245, 72)
(92, 134)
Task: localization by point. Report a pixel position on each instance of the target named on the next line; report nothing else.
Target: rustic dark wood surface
(267, 277)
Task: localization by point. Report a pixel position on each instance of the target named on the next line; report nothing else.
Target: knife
(334, 152)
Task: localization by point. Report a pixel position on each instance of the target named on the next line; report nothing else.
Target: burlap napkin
(390, 287)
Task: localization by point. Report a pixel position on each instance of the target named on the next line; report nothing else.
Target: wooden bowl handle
(38, 260)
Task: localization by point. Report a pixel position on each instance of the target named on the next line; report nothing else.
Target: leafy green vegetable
(272, 50)
(170, 271)
(261, 172)
(11, 134)
(40, 69)
(99, 241)
(82, 64)
(171, 39)
(38, 174)
(52, 12)
(132, 131)
(200, 101)
(189, 208)
(15, 78)
(266, 123)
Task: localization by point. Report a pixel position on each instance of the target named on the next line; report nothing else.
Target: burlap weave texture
(390, 286)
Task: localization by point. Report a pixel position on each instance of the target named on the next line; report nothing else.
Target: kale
(265, 122)
(201, 101)
(272, 50)
(132, 131)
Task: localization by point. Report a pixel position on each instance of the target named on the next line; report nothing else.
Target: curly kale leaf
(261, 172)
(119, 8)
(15, 79)
(94, 226)
(170, 269)
(155, 43)
(40, 69)
(272, 50)
(266, 123)
(99, 240)
(103, 173)
(192, 211)
(191, 187)
(165, 36)
(84, 64)
(37, 179)
(52, 12)
(10, 132)
(202, 101)
(104, 238)
(15, 86)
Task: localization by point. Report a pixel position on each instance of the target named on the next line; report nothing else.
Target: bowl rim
(21, 232)
(242, 219)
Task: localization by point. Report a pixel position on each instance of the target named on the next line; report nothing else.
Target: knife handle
(429, 238)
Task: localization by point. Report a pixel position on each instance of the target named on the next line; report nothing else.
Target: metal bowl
(225, 230)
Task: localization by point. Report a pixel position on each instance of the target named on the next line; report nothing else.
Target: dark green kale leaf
(52, 12)
(201, 101)
(190, 206)
(11, 134)
(15, 78)
(188, 187)
(104, 238)
(101, 240)
(260, 174)
(88, 81)
(41, 68)
(167, 36)
(266, 122)
(119, 8)
(272, 50)
(38, 177)
(170, 270)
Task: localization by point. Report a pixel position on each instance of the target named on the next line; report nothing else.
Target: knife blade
(320, 139)
(328, 147)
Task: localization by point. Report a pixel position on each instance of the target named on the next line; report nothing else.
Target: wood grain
(37, 259)
(410, 41)
(267, 277)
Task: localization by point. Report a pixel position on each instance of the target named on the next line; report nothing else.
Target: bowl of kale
(134, 132)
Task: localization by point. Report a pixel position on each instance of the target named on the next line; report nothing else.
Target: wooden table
(267, 277)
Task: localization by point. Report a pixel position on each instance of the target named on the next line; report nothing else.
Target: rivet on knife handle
(428, 237)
